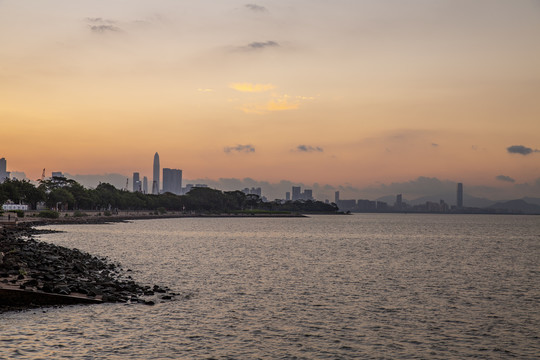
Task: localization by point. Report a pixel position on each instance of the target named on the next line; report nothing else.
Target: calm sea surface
(335, 287)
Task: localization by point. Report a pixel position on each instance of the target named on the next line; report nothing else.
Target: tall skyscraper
(155, 180)
(145, 185)
(460, 195)
(137, 186)
(296, 193)
(4, 174)
(336, 197)
(172, 181)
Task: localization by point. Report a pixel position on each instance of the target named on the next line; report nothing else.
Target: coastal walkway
(8, 221)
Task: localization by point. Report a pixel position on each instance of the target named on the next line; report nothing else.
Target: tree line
(62, 193)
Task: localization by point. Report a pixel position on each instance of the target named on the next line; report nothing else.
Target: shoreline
(35, 274)
(123, 216)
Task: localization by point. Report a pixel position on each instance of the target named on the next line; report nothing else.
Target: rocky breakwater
(34, 273)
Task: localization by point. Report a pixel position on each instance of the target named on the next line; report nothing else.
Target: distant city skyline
(416, 188)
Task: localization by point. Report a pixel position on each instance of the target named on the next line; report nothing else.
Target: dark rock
(56, 269)
(158, 289)
(32, 282)
(62, 290)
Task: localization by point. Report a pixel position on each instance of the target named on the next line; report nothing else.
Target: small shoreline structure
(35, 274)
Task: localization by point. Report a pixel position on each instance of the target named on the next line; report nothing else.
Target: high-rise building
(287, 196)
(459, 195)
(253, 191)
(137, 186)
(296, 193)
(172, 181)
(336, 197)
(4, 174)
(145, 185)
(308, 194)
(155, 180)
(399, 202)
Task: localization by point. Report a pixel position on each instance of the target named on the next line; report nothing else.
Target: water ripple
(328, 287)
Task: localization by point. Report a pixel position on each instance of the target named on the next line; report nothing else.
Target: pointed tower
(155, 182)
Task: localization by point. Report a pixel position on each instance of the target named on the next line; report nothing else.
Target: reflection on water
(390, 286)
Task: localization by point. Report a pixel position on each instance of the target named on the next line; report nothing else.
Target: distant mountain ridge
(526, 205)
(516, 206)
(531, 200)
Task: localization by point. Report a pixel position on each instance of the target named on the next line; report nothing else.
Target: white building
(9, 207)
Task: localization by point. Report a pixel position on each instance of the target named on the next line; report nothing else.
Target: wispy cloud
(434, 145)
(262, 45)
(256, 8)
(278, 103)
(101, 25)
(249, 87)
(259, 45)
(202, 90)
(239, 148)
(520, 149)
(99, 20)
(309, 148)
(282, 103)
(104, 28)
(505, 178)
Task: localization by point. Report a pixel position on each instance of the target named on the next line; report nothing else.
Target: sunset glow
(355, 93)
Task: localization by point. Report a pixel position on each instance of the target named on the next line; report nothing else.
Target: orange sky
(341, 92)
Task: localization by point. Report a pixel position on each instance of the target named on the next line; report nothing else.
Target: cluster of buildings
(253, 191)
(171, 181)
(298, 194)
(399, 205)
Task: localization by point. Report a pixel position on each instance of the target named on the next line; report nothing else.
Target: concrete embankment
(34, 273)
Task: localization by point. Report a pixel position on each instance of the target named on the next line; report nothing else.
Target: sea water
(322, 287)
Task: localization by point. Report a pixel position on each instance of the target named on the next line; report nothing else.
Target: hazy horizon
(411, 190)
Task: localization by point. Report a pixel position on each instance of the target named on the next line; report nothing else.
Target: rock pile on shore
(46, 268)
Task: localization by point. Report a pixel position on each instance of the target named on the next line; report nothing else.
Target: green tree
(60, 196)
(107, 195)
